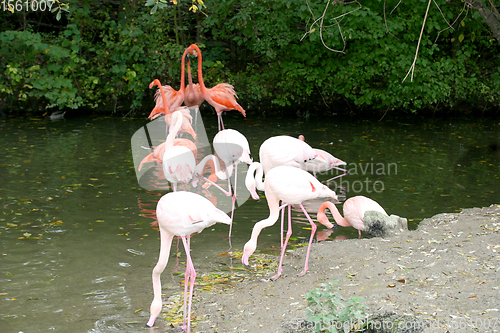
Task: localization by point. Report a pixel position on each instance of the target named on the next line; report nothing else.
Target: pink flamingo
(354, 211)
(178, 161)
(292, 186)
(232, 148)
(158, 111)
(181, 214)
(157, 154)
(168, 96)
(222, 97)
(192, 93)
(278, 151)
(325, 161)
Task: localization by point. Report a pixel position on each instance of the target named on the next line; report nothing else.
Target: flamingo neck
(200, 73)
(274, 210)
(177, 117)
(259, 173)
(163, 97)
(254, 176)
(251, 245)
(339, 219)
(190, 79)
(209, 161)
(183, 79)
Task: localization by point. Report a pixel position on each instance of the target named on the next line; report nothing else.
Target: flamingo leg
(346, 172)
(189, 277)
(282, 226)
(155, 309)
(234, 200)
(282, 221)
(196, 118)
(177, 253)
(283, 249)
(313, 231)
(219, 121)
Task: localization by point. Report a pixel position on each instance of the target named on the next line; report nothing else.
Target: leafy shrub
(329, 311)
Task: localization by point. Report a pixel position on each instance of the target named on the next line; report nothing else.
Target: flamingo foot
(303, 272)
(275, 277)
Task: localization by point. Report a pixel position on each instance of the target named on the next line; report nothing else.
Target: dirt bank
(444, 276)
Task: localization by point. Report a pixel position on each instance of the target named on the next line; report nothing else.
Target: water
(77, 245)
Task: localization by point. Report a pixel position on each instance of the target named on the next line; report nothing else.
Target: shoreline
(442, 276)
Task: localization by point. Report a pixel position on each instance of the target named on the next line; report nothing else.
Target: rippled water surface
(77, 245)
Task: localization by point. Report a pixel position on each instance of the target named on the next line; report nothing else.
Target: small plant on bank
(328, 311)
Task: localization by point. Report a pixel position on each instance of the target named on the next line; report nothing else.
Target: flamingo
(292, 186)
(168, 96)
(178, 161)
(192, 93)
(354, 211)
(181, 214)
(276, 151)
(222, 97)
(325, 162)
(157, 154)
(187, 120)
(232, 148)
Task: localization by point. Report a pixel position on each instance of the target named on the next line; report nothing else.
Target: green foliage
(277, 54)
(329, 311)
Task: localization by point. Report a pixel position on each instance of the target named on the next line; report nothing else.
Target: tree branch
(412, 68)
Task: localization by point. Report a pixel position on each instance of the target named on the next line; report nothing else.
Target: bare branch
(386, 26)
(319, 22)
(396, 6)
(412, 68)
(451, 25)
(494, 10)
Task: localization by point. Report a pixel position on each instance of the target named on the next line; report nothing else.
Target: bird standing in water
(181, 214)
(222, 96)
(292, 186)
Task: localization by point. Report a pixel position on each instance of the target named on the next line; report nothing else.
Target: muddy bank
(444, 276)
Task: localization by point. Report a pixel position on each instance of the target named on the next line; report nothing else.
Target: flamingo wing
(224, 96)
(174, 100)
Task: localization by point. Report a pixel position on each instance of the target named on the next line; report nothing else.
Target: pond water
(77, 241)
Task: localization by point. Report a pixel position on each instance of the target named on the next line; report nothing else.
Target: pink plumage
(354, 211)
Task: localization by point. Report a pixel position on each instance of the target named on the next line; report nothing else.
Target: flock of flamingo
(285, 164)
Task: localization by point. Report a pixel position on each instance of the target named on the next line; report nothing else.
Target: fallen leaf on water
(473, 297)
(138, 310)
(391, 285)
